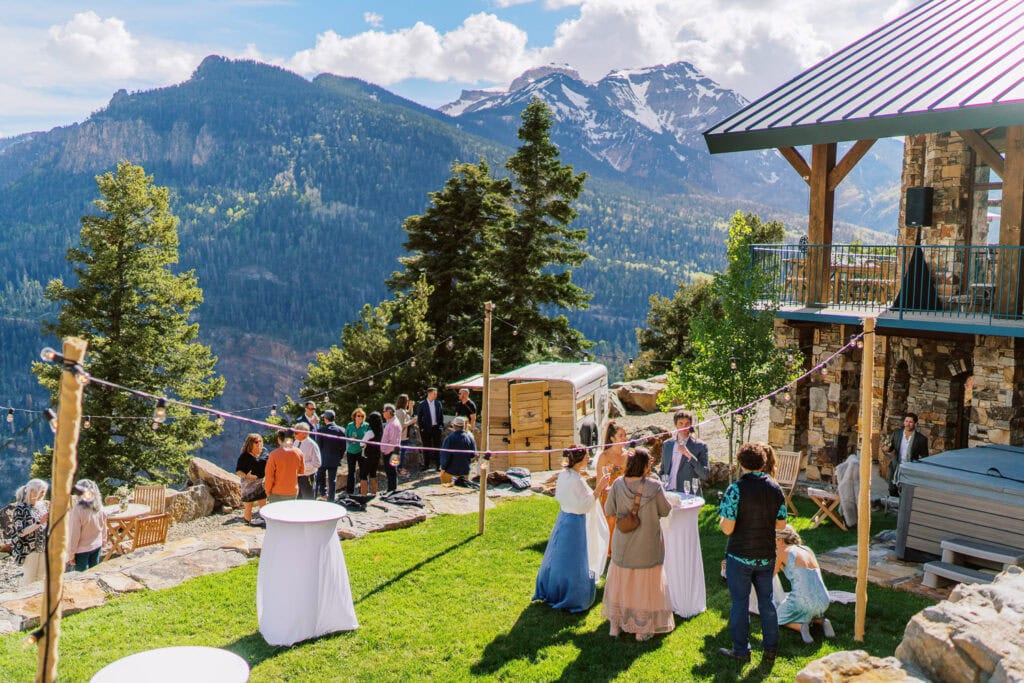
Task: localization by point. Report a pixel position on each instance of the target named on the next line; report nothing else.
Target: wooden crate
(499, 461)
(535, 462)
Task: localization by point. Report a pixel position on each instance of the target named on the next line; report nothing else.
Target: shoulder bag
(631, 520)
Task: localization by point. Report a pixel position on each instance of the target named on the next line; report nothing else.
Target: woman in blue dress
(577, 550)
(808, 598)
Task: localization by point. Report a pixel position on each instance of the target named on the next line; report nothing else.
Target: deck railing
(947, 281)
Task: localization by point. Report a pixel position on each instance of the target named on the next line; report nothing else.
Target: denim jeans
(89, 558)
(739, 578)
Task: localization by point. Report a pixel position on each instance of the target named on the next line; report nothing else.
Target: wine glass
(686, 487)
(664, 481)
(696, 486)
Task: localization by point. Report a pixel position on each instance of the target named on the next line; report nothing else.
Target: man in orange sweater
(283, 467)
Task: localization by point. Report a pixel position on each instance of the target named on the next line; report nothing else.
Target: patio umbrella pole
(65, 463)
(867, 374)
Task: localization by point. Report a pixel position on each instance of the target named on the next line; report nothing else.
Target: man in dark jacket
(685, 457)
(459, 447)
(332, 450)
(904, 445)
(430, 420)
(752, 510)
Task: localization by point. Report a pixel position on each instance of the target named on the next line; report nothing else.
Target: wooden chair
(787, 471)
(153, 496)
(151, 530)
(827, 502)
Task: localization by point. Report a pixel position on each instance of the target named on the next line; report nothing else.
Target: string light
(412, 364)
(160, 412)
(370, 383)
(51, 417)
(450, 344)
(49, 355)
(630, 365)
(732, 363)
(273, 410)
(10, 415)
(87, 423)
(787, 396)
(219, 421)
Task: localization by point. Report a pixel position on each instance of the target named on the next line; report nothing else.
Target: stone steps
(933, 571)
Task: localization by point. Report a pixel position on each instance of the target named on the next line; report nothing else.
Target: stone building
(946, 295)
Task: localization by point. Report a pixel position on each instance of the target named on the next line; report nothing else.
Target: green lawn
(436, 602)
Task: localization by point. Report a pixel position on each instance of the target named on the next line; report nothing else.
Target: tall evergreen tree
(134, 312)
(530, 266)
(446, 243)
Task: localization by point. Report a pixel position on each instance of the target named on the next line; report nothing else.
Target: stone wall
(997, 402)
(787, 427)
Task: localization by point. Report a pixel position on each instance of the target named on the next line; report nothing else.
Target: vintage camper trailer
(541, 406)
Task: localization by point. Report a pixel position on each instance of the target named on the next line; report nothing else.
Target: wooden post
(819, 224)
(1009, 294)
(65, 464)
(485, 414)
(867, 375)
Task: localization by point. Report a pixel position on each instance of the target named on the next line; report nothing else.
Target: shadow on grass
(719, 668)
(419, 565)
(538, 547)
(255, 650)
(538, 627)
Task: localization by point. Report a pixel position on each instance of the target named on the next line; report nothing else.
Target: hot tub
(975, 493)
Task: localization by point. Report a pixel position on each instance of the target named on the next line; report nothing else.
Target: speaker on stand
(918, 211)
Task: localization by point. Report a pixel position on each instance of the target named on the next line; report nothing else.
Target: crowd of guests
(619, 520)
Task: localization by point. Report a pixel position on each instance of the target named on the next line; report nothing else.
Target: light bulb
(450, 344)
(739, 417)
(160, 412)
(860, 343)
(273, 410)
(515, 332)
(87, 424)
(630, 364)
(10, 414)
(732, 363)
(155, 426)
(412, 363)
(48, 354)
(787, 396)
(51, 418)
(824, 370)
(219, 421)
(370, 383)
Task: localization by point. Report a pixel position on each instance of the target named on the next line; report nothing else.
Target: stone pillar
(787, 429)
(824, 394)
(997, 402)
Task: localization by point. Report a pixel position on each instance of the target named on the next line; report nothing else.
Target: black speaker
(919, 206)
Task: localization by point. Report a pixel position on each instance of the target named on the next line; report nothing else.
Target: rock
(639, 395)
(192, 503)
(975, 635)
(547, 487)
(856, 666)
(175, 568)
(615, 407)
(116, 582)
(224, 486)
(718, 472)
(77, 596)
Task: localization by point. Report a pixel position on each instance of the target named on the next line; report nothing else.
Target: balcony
(965, 289)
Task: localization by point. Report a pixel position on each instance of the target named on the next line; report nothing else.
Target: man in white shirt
(310, 461)
(684, 457)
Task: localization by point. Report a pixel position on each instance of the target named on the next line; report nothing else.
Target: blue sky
(60, 60)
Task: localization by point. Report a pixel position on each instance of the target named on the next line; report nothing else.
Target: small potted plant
(122, 494)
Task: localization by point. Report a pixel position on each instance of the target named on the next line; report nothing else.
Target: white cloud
(373, 19)
(482, 48)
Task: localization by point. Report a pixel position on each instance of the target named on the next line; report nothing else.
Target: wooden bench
(954, 572)
(955, 548)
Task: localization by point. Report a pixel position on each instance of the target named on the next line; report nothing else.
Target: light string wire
(84, 377)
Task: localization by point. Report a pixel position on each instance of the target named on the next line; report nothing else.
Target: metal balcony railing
(973, 282)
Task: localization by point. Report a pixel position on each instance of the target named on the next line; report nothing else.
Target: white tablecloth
(176, 664)
(684, 564)
(302, 588)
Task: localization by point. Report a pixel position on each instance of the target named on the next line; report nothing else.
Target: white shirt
(310, 455)
(905, 447)
(677, 458)
(433, 412)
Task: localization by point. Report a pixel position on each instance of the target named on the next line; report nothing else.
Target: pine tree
(530, 265)
(135, 314)
(446, 244)
(384, 338)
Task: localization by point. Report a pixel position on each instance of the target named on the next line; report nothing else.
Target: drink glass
(664, 480)
(696, 486)
(686, 487)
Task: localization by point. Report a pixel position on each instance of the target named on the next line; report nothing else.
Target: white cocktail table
(684, 563)
(302, 588)
(176, 664)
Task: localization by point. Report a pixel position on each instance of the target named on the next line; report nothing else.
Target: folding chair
(151, 530)
(787, 471)
(827, 502)
(153, 496)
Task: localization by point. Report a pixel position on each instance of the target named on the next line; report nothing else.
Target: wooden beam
(819, 223)
(797, 161)
(984, 149)
(850, 159)
(867, 381)
(1011, 226)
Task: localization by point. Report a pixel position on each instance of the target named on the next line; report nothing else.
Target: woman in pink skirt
(635, 592)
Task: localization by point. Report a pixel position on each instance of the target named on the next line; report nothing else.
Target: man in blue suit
(684, 457)
(430, 419)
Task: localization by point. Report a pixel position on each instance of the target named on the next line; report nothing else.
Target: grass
(437, 602)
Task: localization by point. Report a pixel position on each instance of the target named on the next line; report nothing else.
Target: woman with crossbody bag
(635, 592)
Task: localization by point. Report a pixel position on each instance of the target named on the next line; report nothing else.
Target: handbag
(252, 490)
(631, 520)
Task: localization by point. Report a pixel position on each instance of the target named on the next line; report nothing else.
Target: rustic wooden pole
(867, 378)
(65, 463)
(485, 414)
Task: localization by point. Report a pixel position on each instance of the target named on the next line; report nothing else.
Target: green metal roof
(945, 65)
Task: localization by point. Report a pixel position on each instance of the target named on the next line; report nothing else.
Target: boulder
(975, 635)
(192, 503)
(224, 486)
(615, 407)
(859, 666)
(639, 395)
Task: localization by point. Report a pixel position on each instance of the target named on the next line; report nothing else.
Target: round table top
(302, 511)
(684, 502)
(185, 663)
(134, 510)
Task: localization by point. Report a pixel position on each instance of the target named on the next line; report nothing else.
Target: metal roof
(579, 374)
(945, 65)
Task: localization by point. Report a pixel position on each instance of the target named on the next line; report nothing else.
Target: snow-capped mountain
(643, 126)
